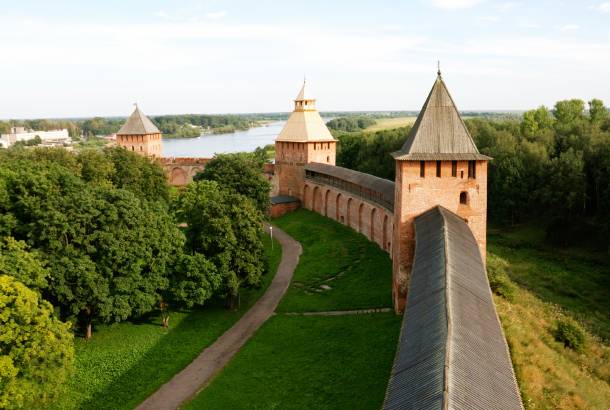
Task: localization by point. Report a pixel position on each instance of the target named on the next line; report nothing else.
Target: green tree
(36, 349)
(242, 173)
(226, 227)
(598, 113)
(25, 266)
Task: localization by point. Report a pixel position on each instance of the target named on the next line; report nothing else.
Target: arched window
(464, 198)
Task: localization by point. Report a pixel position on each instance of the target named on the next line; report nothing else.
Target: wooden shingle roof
(439, 132)
(138, 124)
(452, 353)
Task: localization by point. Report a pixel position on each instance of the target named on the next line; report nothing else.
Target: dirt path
(186, 384)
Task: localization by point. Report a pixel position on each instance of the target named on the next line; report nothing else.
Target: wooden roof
(138, 124)
(439, 132)
(452, 353)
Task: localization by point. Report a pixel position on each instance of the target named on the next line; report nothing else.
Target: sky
(80, 59)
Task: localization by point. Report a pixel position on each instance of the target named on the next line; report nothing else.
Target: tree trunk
(88, 332)
(165, 322)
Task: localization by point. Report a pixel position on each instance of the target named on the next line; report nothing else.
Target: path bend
(193, 378)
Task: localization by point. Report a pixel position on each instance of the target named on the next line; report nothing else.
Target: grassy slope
(357, 271)
(301, 362)
(126, 362)
(551, 283)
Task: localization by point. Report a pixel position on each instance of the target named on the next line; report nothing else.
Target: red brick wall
(281, 209)
(415, 195)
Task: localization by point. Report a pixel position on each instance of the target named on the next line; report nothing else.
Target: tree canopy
(242, 173)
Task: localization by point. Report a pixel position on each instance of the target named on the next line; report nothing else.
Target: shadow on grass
(168, 356)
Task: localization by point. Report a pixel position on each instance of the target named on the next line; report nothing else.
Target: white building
(53, 137)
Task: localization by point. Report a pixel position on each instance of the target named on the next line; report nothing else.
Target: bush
(570, 333)
(499, 282)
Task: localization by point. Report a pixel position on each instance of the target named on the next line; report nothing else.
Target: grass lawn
(125, 362)
(309, 362)
(339, 268)
(318, 362)
(390, 123)
(552, 283)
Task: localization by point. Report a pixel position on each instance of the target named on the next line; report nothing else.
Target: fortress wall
(180, 171)
(367, 217)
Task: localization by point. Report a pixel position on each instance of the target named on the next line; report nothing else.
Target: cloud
(454, 4)
(569, 27)
(504, 7)
(603, 7)
(491, 19)
(160, 14)
(216, 15)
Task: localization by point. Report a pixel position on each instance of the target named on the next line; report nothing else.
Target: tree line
(350, 124)
(99, 237)
(549, 165)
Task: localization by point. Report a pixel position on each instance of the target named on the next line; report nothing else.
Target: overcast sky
(76, 58)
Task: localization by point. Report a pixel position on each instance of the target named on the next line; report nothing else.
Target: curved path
(193, 378)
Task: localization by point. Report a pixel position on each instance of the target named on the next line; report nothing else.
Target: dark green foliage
(570, 333)
(370, 153)
(191, 125)
(350, 124)
(226, 227)
(108, 250)
(242, 173)
(195, 280)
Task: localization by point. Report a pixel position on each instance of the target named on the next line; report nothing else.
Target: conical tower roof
(138, 124)
(439, 132)
(305, 123)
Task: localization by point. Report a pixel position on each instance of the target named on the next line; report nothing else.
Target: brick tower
(439, 164)
(304, 139)
(140, 135)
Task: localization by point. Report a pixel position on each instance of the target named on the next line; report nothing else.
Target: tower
(439, 164)
(140, 135)
(304, 139)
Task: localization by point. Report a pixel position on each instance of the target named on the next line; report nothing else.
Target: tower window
(328, 159)
(422, 169)
(464, 198)
(472, 169)
(438, 169)
(454, 168)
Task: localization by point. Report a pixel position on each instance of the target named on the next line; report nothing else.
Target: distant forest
(549, 165)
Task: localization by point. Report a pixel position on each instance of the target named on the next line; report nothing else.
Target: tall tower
(439, 164)
(140, 135)
(304, 139)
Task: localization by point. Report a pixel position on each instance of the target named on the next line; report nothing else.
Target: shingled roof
(305, 123)
(452, 353)
(138, 124)
(439, 132)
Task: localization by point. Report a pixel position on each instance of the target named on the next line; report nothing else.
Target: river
(206, 146)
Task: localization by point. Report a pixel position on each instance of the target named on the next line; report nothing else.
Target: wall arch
(385, 244)
(338, 208)
(373, 214)
(178, 176)
(316, 204)
(326, 194)
(348, 212)
(360, 210)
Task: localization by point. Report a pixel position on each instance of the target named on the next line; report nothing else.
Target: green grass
(318, 362)
(124, 363)
(357, 271)
(309, 362)
(550, 285)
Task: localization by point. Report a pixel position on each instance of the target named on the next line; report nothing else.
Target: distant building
(140, 135)
(49, 138)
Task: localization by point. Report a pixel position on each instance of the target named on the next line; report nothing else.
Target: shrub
(570, 333)
(499, 282)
